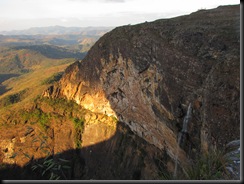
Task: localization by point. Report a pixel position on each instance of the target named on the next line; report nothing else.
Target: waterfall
(186, 119)
(183, 131)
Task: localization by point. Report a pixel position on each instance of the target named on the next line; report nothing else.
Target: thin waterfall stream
(183, 131)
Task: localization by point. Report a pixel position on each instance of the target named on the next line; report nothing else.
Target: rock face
(146, 75)
(106, 150)
(233, 154)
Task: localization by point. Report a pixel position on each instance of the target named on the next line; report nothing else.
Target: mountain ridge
(59, 30)
(148, 74)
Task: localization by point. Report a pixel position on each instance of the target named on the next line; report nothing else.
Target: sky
(23, 14)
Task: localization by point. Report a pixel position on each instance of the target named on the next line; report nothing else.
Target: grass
(64, 106)
(79, 123)
(52, 169)
(54, 78)
(37, 116)
(79, 128)
(54, 110)
(209, 167)
(33, 81)
(48, 167)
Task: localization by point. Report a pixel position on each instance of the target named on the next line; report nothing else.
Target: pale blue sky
(23, 14)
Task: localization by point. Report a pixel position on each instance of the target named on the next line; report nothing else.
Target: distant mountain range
(60, 30)
(73, 38)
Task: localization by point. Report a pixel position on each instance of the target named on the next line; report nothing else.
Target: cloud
(100, 1)
(115, 1)
(16, 14)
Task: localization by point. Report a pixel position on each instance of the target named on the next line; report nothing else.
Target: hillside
(20, 58)
(19, 61)
(22, 70)
(157, 100)
(53, 52)
(27, 54)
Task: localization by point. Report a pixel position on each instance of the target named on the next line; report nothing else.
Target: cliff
(27, 151)
(147, 75)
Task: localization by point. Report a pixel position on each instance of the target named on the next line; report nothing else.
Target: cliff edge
(149, 75)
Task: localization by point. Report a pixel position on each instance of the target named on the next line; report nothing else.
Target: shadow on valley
(122, 157)
(4, 77)
(53, 52)
(3, 89)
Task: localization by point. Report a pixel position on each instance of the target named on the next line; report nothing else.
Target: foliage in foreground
(52, 168)
(211, 166)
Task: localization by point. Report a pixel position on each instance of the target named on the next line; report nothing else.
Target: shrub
(13, 98)
(49, 167)
(79, 128)
(53, 169)
(64, 105)
(38, 116)
(79, 123)
(209, 167)
(54, 78)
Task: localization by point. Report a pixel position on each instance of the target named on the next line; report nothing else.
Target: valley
(26, 55)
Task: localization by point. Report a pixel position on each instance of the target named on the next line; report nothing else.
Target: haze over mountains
(78, 39)
(60, 30)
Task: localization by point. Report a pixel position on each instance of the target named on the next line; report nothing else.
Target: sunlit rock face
(7, 150)
(98, 128)
(147, 75)
(73, 88)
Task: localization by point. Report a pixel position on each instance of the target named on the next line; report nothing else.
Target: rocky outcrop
(105, 151)
(233, 152)
(147, 75)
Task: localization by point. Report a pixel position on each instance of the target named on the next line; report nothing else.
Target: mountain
(52, 51)
(148, 75)
(22, 69)
(156, 100)
(72, 38)
(59, 30)
(20, 59)
(21, 54)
